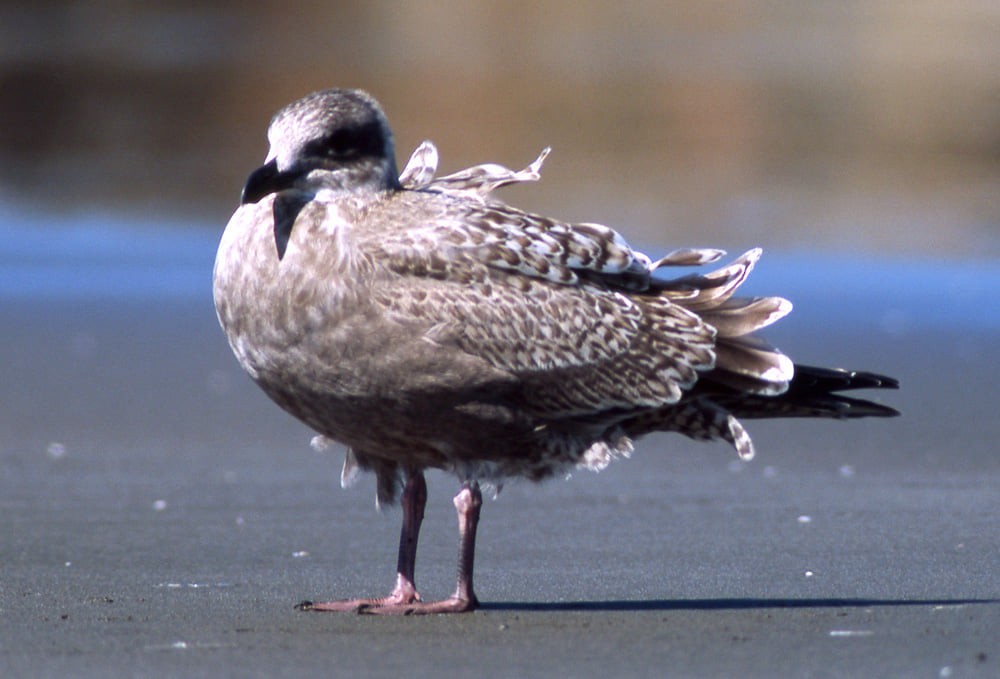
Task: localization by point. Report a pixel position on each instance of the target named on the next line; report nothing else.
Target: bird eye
(346, 143)
(340, 143)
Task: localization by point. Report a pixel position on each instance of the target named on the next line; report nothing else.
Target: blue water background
(102, 257)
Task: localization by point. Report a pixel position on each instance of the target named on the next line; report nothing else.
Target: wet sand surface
(159, 517)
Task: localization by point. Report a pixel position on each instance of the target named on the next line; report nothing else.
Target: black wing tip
(861, 408)
(809, 377)
(823, 384)
(867, 380)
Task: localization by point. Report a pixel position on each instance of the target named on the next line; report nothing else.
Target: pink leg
(413, 500)
(467, 504)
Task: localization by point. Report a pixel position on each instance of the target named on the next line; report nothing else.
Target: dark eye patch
(342, 142)
(345, 143)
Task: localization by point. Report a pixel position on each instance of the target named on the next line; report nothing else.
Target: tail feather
(814, 392)
(755, 358)
(745, 383)
(688, 257)
(742, 360)
(713, 408)
(737, 317)
(748, 378)
(699, 292)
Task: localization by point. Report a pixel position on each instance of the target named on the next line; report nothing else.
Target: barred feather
(424, 323)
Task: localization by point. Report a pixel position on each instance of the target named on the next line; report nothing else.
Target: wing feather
(560, 305)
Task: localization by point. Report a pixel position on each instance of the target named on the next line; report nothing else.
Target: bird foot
(450, 605)
(392, 605)
(403, 595)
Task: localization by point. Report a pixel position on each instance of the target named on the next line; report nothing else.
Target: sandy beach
(161, 518)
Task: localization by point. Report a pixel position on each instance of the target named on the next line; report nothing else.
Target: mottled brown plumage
(424, 324)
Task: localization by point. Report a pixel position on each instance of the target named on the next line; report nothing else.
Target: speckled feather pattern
(425, 324)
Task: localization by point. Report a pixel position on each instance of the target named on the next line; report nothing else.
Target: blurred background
(844, 127)
(857, 141)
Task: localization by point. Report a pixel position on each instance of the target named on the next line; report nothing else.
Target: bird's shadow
(731, 604)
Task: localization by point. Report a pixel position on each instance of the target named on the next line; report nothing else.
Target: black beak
(265, 180)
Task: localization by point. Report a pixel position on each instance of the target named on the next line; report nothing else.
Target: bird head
(337, 140)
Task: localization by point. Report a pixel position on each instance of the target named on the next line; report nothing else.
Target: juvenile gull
(425, 324)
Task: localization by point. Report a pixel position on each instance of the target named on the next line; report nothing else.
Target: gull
(425, 324)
